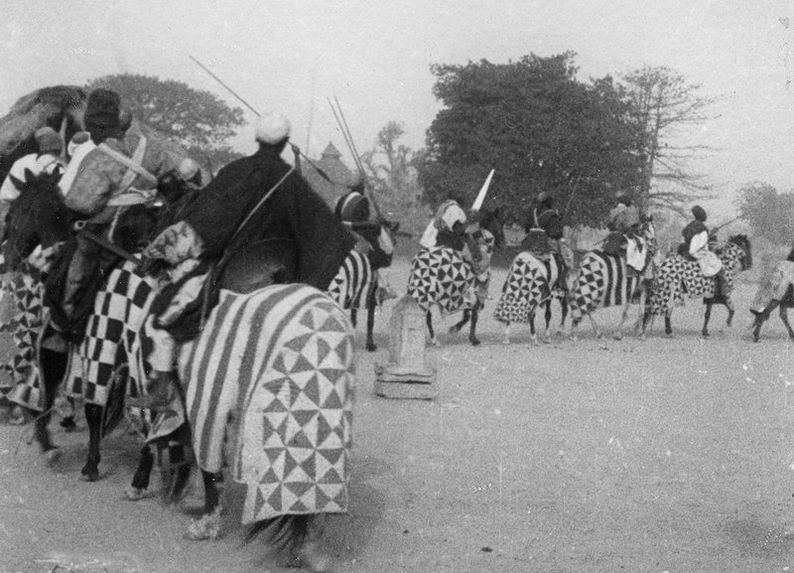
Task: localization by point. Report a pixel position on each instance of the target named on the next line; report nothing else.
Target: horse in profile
(776, 289)
(678, 276)
(602, 280)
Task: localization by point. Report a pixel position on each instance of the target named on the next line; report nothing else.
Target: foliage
(198, 120)
(662, 104)
(770, 214)
(393, 178)
(540, 129)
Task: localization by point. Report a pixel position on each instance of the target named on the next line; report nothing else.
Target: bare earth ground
(577, 456)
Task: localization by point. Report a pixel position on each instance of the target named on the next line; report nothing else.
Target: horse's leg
(53, 368)
(140, 480)
(563, 311)
(93, 417)
(296, 539)
(455, 328)
(731, 310)
(429, 321)
(706, 318)
(208, 525)
(532, 333)
(598, 333)
(547, 317)
(354, 317)
(506, 335)
(623, 316)
(668, 324)
(784, 318)
(68, 423)
(475, 314)
(371, 304)
(574, 327)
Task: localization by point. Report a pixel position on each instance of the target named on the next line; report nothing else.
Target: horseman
(253, 201)
(99, 199)
(696, 247)
(47, 160)
(624, 223)
(545, 235)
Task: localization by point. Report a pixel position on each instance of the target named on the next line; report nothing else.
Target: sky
(375, 57)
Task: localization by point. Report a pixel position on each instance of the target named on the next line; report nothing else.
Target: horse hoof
(705, 334)
(310, 557)
(618, 336)
(434, 342)
(52, 456)
(453, 330)
(474, 341)
(206, 527)
(133, 493)
(371, 347)
(89, 474)
(68, 424)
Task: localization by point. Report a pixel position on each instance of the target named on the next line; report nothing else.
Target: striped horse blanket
(528, 284)
(352, 284)
(279, 363)
(603, 280)
(440, 275)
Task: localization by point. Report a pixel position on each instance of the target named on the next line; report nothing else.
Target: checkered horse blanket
(354, 281)
(678, 276)
(602, 280)
(528, 284)
(440, 275)
(120, 309)
(280, 363)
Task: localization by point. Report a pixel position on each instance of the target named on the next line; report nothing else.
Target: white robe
(709, 262)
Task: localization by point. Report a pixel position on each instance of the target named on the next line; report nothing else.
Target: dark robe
(294, 212)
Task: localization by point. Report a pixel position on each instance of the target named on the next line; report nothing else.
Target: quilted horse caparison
(280, 363)
(528, 285)
(678, 276)
(441, 276)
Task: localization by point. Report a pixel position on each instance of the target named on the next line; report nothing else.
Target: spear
(295, 148)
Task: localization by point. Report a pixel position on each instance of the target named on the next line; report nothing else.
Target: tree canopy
(540, 128)
(197, 119)
(770, 214)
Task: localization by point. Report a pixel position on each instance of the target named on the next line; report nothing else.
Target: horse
(678, 276)
(530, 283)
(603, 280)
(442, 276)
(357, 285)
(38, 216)
(776, 289)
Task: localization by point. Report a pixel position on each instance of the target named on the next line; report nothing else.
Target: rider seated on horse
(451, 228)
(625, 233)
(545, 235)
(697, 246)
(99, 198)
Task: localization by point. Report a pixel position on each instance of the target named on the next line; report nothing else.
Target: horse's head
(37, 216)
(492, 221)
(743, 242)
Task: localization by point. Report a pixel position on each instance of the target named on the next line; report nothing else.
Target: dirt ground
(657, 455)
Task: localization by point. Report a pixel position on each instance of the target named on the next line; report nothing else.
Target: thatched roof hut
(330, 162)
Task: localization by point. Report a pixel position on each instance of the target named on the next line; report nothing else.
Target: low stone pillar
(406, 375)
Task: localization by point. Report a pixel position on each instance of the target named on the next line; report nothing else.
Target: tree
(540, 129)
(662, 105)
(196, 119)
(770, 214)
(393, 177)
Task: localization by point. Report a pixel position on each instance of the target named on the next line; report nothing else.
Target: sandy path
(595, 455)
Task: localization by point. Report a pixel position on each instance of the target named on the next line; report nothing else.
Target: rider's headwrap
(448, 214)
(352, 207)
(699, 213)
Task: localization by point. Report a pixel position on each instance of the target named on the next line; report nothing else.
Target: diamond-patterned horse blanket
(440, 275)
(528, 284)
(280, 363)
(678, 276)
(23, 321)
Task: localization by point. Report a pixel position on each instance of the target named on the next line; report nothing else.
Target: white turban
(272, 128)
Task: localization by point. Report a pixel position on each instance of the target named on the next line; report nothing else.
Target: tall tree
(665, 107)
(539, 127)
(197, 119)
(770, 214)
